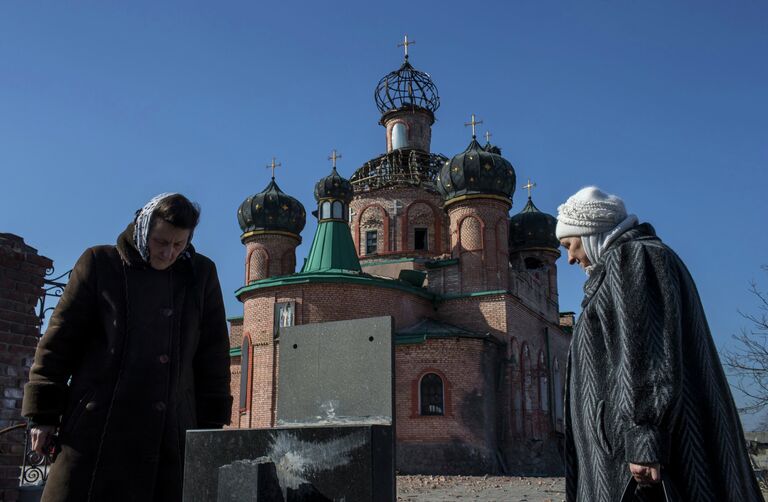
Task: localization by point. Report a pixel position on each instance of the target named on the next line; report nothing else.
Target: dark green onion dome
(476, 171)
(334, 187)
(406, 89)
(530, 228)
(271, 210)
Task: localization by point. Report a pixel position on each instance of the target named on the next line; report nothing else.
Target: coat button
(163, 358)
(167, 312)
(91, 405)
(160, 406)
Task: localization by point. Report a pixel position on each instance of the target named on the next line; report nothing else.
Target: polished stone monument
(334, 439)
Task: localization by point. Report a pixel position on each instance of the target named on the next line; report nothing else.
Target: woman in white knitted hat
(646, 397)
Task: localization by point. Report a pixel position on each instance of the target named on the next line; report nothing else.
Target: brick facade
(21, 281)
(418, 128)
(418, 209)
(269, 255)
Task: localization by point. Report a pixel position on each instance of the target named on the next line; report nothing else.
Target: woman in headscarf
(646, 397)
(135, 354)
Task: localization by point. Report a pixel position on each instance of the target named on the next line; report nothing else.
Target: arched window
(325, 210)
(245, 373)
(399, 136)
(431, 391)
(338, 210)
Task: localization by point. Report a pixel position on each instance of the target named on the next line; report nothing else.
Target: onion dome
(406, 89)
(476, 171)
(271, 210)
(530, 228)
(334, 187)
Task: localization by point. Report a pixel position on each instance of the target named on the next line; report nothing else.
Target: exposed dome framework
(406, 88)
(403, 167)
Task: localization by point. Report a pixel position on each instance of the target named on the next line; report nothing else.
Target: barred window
(432, 395)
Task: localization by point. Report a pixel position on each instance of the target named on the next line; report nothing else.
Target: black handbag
(667, 488)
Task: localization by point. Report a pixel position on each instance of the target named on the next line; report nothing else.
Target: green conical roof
(332, 250)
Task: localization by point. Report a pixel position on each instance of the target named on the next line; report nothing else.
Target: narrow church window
(399, 136)
(558, 396)
(420, 241)
(337, 210)
(325, 210)
(431, 395)
(370, 241)
(245, 373)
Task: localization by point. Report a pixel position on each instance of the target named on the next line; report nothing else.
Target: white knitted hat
(589, 211)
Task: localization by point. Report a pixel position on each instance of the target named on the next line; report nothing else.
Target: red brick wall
(21, 279)
(421, 209)
(418, 126)
(478, 229)
(315, 303)
(269, 255)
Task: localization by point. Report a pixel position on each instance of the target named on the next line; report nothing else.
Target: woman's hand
(646, 473)
(41, 436)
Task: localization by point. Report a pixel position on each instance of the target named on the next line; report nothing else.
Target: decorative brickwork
(418, 126)
(270, 255)
(478, 239)
(22, 272)
(416, 208)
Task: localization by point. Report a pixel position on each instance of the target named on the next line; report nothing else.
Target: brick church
(479, 348)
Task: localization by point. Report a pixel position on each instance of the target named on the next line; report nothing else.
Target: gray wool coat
(645, 385)
(133, 357)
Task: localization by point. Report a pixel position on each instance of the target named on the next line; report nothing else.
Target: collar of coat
(131, 256)
(643, 231)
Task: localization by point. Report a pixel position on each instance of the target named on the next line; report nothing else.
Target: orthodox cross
(273, 165)
(488, 136)
(529, 187)
(334, 155)
(405, 44)
(473, 123)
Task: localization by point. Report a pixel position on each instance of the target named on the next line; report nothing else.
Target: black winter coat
(645, 385)
(133, 358)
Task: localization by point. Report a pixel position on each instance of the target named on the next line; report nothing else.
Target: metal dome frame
(406, 87)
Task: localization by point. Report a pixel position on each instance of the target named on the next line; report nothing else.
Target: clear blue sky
(105, 104)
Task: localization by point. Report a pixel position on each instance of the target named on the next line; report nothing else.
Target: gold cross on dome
(273, 165)
(334, 155)
(473, 123)
(405, 44)
(529, 187)
(488, 136)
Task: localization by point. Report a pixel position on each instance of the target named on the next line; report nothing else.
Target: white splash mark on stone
(296, 460)
(329, 408)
